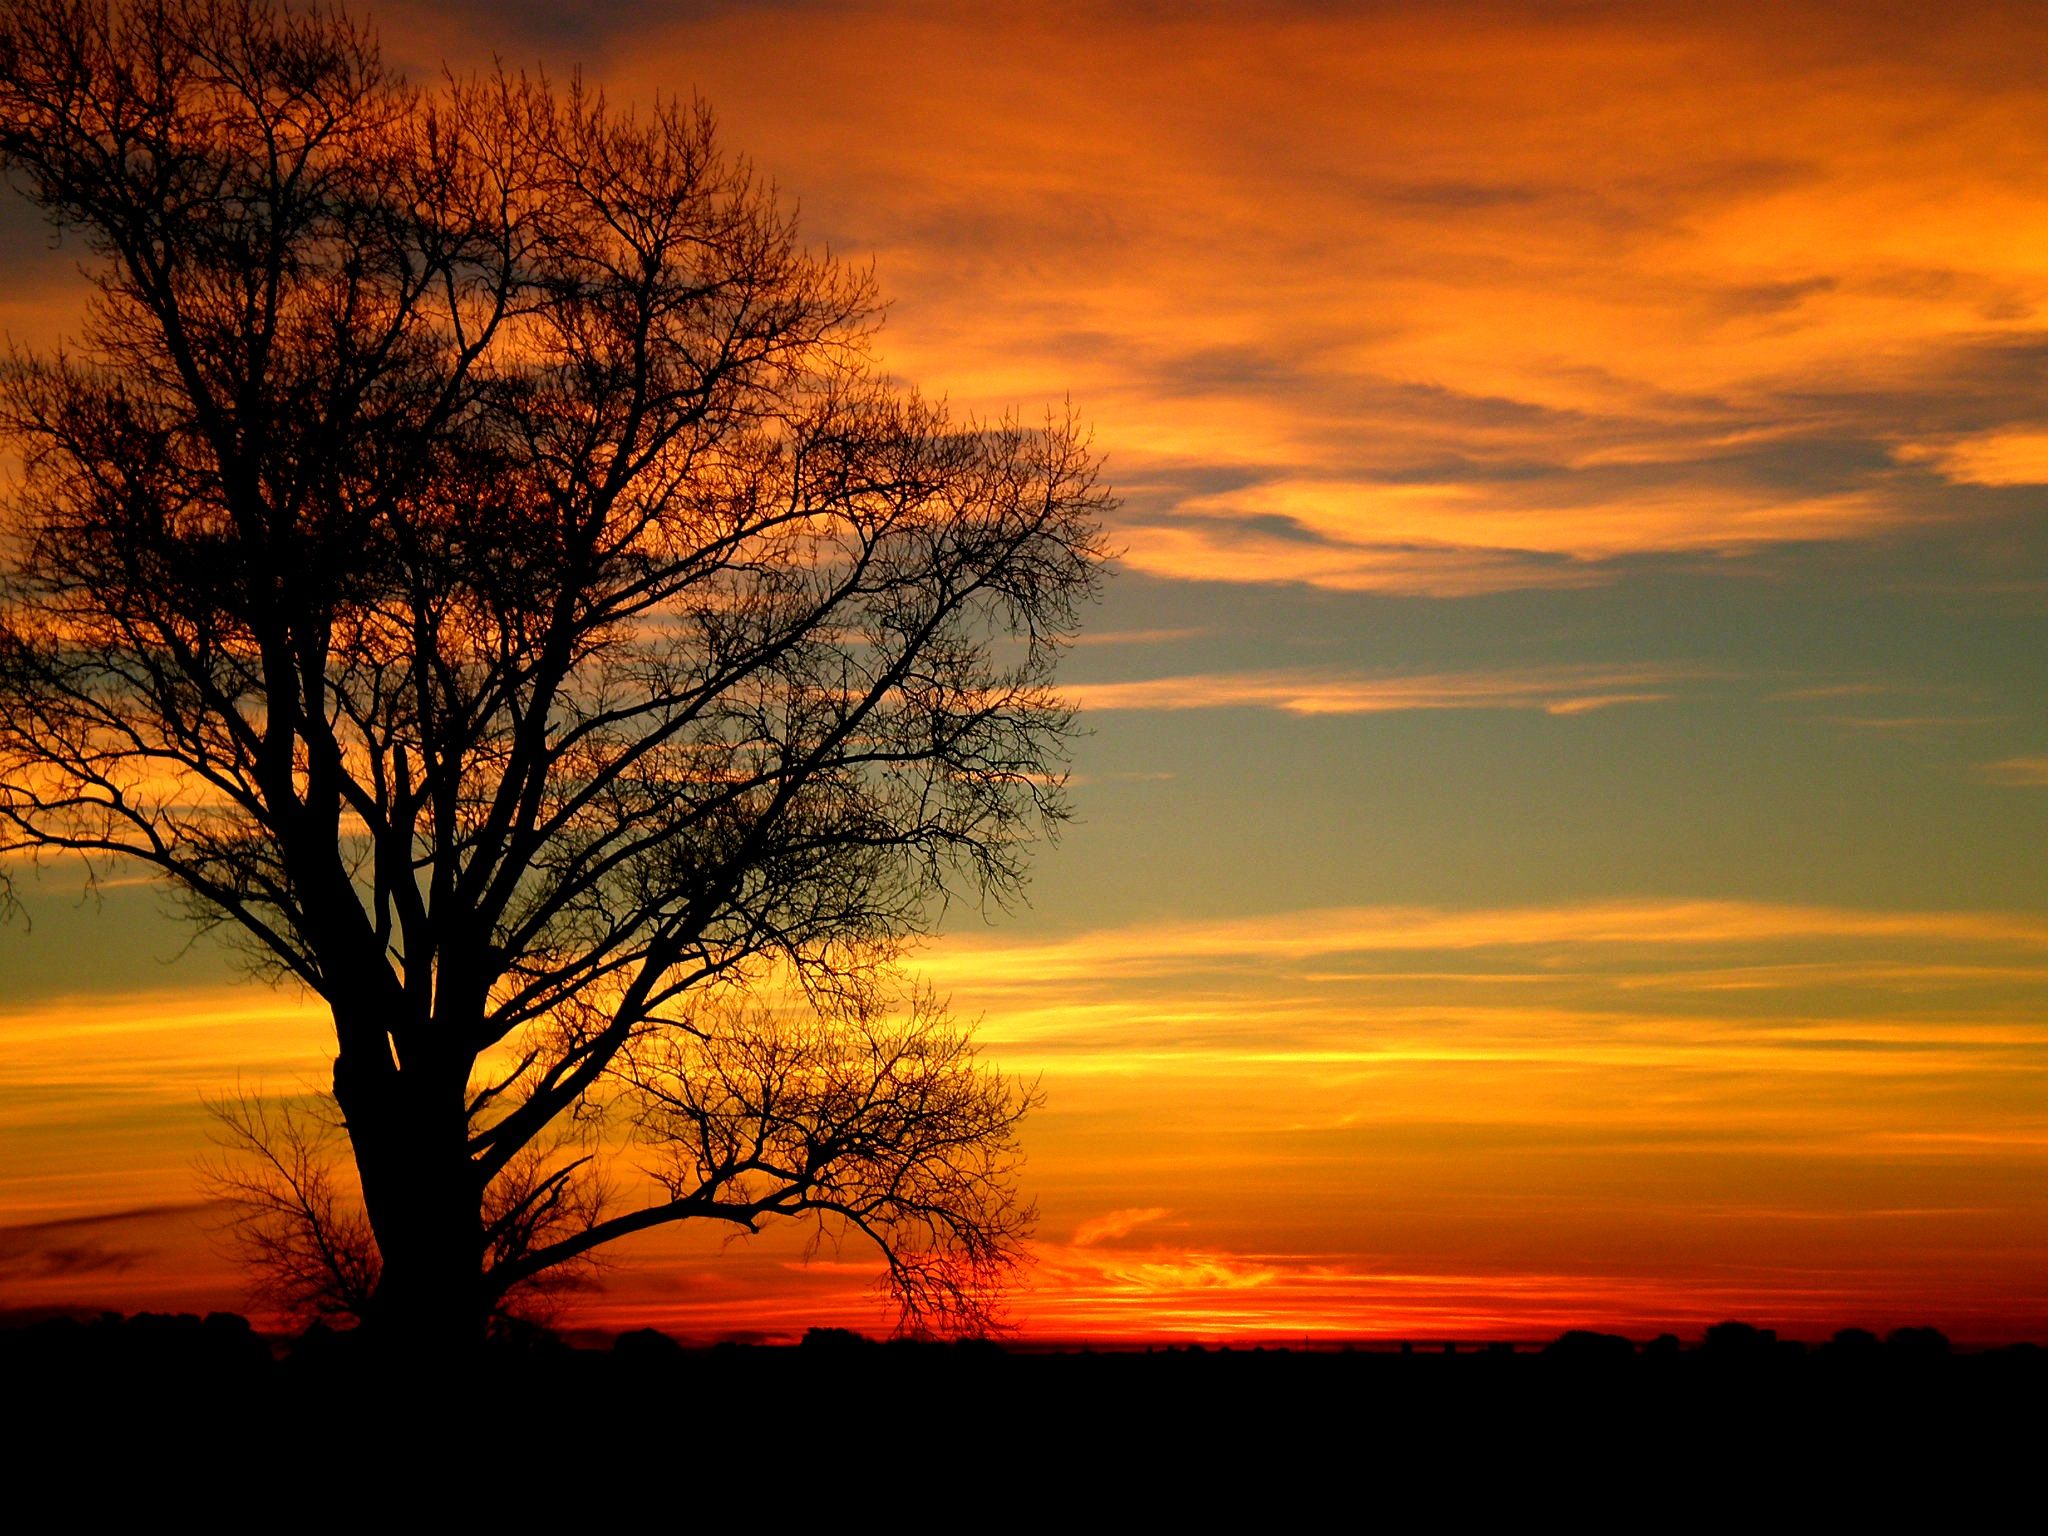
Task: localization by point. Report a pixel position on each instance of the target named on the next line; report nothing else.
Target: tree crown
(474, 556)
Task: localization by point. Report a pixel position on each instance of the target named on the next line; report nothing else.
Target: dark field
(1587, 1423)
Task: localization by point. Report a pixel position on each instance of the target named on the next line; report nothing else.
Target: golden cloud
(1462, 299)
(1569, 690)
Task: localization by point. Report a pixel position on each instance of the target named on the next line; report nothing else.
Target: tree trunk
(421, 1195)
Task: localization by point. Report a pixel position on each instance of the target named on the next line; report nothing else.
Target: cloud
(1586, 706)
(1471, 300)
(1996, 458)
(1111, 1225)
(74, 1246)
(1217, 1293)
(1597, 514)
(2019, 772)
(1247, 552)
(1909, 723)
(1303, 691)
(1151, 1275)
(1317, 933)
(1139, 636)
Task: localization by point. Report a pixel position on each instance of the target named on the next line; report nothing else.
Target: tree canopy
(473, 554)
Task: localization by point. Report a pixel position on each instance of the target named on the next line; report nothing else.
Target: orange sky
(1561, 835)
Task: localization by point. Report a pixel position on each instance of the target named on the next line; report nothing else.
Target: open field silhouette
(1591, 1430)
(1613, 1397)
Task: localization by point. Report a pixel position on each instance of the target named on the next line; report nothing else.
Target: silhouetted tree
(1738, 1342)
(473, 558)
(1586, 1347)
(288, 1215)
(1858, 1344)
(1917, 1343)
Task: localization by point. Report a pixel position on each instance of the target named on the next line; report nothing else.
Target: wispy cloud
(1139, 636)
(1306, 691)
(1333, 931)
(70, 1247)
(1448, 331)
(1453, 539)
(1210, 1293)
(1909, 723)
(1226, 551)
(1111, 1225)
(1993, 458)
(2018, 772)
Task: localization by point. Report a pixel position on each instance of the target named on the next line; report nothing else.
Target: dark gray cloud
(108, 1244)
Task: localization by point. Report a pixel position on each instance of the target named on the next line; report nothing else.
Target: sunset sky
(1563, 809)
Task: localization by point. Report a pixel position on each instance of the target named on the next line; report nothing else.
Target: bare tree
(473, 556)
(288, 1215)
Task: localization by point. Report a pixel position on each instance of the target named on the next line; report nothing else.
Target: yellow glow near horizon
(1333, 1114)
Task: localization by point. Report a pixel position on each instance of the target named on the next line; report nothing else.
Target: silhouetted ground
(1590, 1423)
